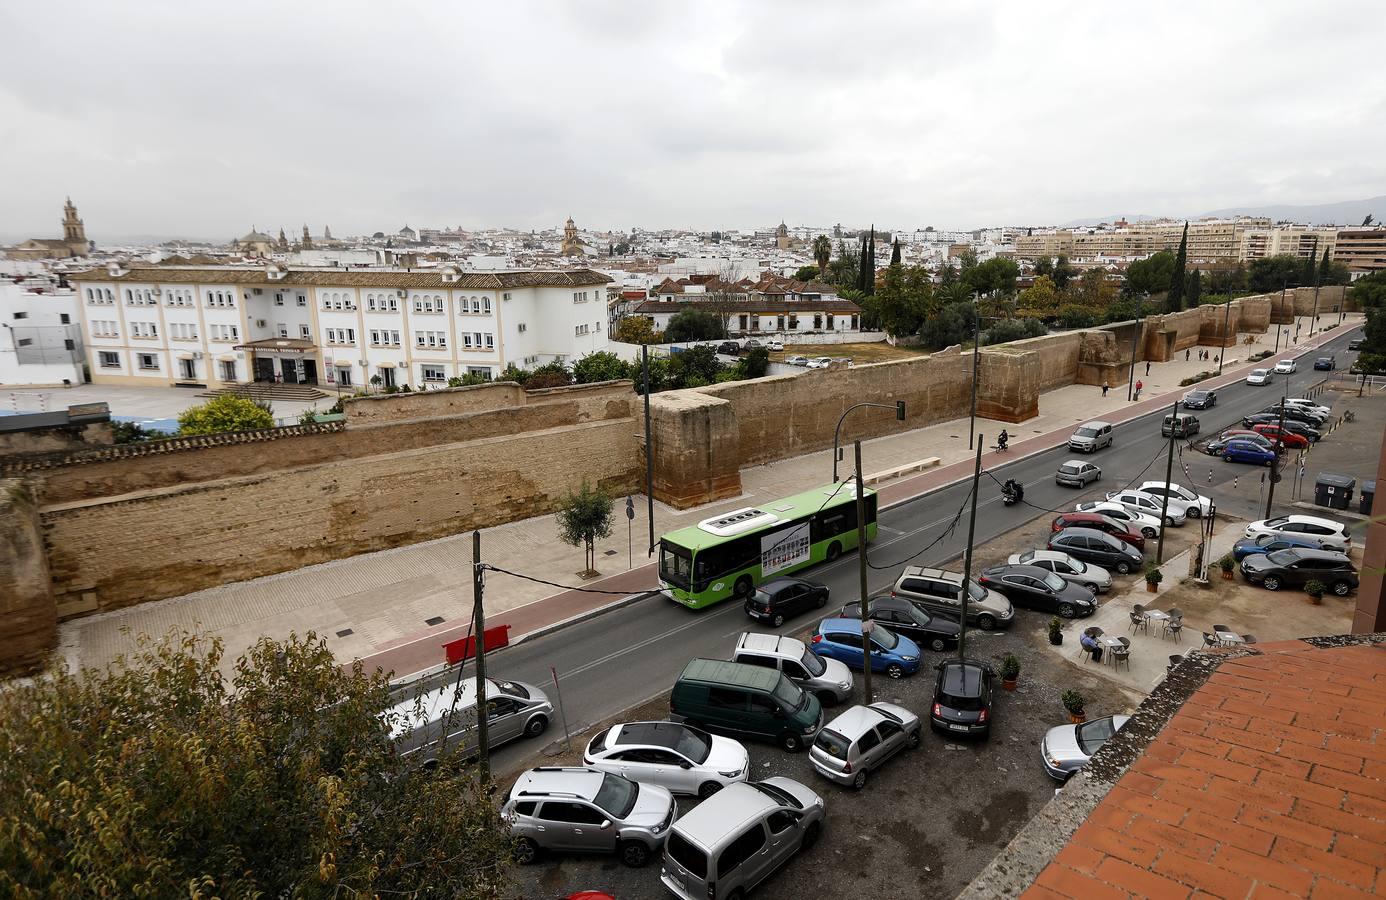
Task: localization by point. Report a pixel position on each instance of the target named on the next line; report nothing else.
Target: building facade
(40, 333)
(226, 325)
(1362, 250)
(73, 243)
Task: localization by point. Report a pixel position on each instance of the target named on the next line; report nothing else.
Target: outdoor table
(1227, 637)
(1108, 645)
(1156, 616)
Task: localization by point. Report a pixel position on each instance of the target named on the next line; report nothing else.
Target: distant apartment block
(40, 333)
(1362, 250)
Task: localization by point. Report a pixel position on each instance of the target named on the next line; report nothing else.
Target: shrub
(1074, 702)
(1153, 575)
(1013, 330)
(1010, 667)
(227, 412)
(1055, 626)
(1074, 315)
(1227, 563)
(1316, 589)
(132, 432)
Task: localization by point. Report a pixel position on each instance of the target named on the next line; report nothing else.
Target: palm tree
(822, 252)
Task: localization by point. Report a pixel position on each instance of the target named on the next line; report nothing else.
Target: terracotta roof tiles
(431, 278)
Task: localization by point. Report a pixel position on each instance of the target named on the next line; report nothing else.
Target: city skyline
(740, 117)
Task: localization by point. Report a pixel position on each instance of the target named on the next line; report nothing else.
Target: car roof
(782, 581)
(1019, 569)
(647, 734)
(1074, 462)
(1095, 423)
(721, 671)
(853, 723)
(1319, 553)
(921, 571)
(775, 644)
(1086, 532)
(723, 814)
(547, 780)
(962, 677)
(840, 623)
(1044, 553)
(1315, 520)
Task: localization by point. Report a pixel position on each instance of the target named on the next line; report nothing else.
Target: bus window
(733, 556)
(675, 564)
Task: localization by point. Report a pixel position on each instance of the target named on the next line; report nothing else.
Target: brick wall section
(30, 627)
(58, 439)
(1270, 781)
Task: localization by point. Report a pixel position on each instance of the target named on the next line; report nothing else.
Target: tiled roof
(1270, 781)
(431, 278)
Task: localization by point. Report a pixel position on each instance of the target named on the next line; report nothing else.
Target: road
(616, 660)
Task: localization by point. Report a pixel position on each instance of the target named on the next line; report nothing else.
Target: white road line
(645, 643)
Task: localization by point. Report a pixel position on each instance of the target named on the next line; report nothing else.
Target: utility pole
(861, 567)
(1279, 448)
(479, 615)
(1169, 473)
(1318, 280)
(1283, 284)
(1226, 316)
(649, 446)
(1135, 336)
(976, 345)
(967, 557)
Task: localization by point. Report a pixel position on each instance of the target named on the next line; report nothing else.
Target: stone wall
(1059, 356)
(57, 438)
(28, 621)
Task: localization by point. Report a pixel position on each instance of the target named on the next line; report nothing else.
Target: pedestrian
(1147, 367)
(1139, 384)
(1186, 355)
(1218, 359)
(1104, 388)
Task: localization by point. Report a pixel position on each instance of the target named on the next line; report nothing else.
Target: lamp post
(976, 348)
(1135, 336)
(1226, 316)
(1278, 327)
(898, 406)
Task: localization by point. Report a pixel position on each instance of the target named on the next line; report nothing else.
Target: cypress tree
(1195, 292)
(862, 263)
(870, 287)
(895, 252)
(1323, 268)
(1178, 276)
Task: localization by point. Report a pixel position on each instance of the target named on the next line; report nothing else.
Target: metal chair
(1094, 632)
(1176, 613)
(1248, 639)
(1210, 641)
(1138, 620)
(1175, 627)
(1122, 656)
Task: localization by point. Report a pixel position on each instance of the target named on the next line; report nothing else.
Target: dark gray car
(1091, 545)
(1039, 589)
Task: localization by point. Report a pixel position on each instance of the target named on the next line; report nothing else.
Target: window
(278, 299)
(144, 329)
(580, 330)
(69, 344)
(283, 330)
(521, 328)
(726, 698)
(781, 820)
(148, 361)
(574, 813)
(430, 338)
(483, 371)
(109, 360)
(21, 315)
(24, 342)
(428, 304)
(305, 332)
(740, 850)
(506, 297)
(64, 318)
(434, 373)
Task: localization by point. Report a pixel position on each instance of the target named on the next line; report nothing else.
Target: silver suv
(1091, 437)
(828, 679)
(935, 590)
(585, 810)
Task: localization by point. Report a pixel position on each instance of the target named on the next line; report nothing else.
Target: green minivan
(748, 701)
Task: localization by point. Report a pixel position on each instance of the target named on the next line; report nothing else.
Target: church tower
(572, 245)
(74, 232)
(307, 239)
(283, 242)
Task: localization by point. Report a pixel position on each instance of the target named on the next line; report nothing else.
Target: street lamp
(899, 408)
(1226, 315)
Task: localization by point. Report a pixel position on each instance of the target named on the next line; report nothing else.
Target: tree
(1063, 272)
(822, 252)
(1194, 289)
(995, 276)
(952, 325)
(695, 325)
(169, 773)
(227, 412)
(583, 518)
(622, 248)
(1008, 330)
(756, 363)
(1272, 273)
(1369, 291)
(845, 271)
(601, 366)
(1322, 275)
(1150, 275)
(1372, 359)
(1044, 266)
(636, 330)
(1175, 299)
(133, 432)
(1367, 220)
(895, 252)
(695, 367)
(549, 375)
(1042, 295)
(1093, 290)
(806, 273)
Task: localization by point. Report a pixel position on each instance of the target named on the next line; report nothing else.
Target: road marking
(645, 643)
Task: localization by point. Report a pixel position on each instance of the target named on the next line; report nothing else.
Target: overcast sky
(199, 119)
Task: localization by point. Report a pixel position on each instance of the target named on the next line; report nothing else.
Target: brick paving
(1270, 781)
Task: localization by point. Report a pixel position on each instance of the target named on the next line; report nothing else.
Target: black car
(1292, 417)
(1326, 363)
(1304, 431)
(1297, 566)
(902, 617)
(782, 598)
(1357, 343)
(1091, 545)
(732, 348)
(1200, 399)
(1297, 413)
(963, 695)
(1039, 589)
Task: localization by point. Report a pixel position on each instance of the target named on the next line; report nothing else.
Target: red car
(1099, 522)
(1288, 438)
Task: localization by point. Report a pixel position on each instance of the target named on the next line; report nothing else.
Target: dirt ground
(860, 353)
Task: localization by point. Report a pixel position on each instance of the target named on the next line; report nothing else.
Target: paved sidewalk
(376, 606)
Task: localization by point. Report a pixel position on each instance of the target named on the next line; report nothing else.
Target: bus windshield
(675, 564)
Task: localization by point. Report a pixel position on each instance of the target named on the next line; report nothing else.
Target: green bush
(1074, 702)
(227, 412)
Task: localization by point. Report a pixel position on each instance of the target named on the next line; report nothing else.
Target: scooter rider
(1013, 490)
(1001, 440)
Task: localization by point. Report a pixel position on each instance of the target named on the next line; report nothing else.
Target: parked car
(1069, 568)
(1297, 413)
(1333, 535)
(1196, 505)
(1269, 543)
(1180, 425)
(937, 591)
(1175, 512)
(798, 360)
(749, 343)
(1098, 547)
(1068, 748)
(1326, 363)
(1215, 447)
(774, 345)
(515, 710)
(747, 701)
(1146, 526)
(1259, 377)
(937, 632)
(782, 598)
(1200, 399)
(1098, 522)
(677, 757)
(734, 840)
(862, 739)
(1286, 367)
(1286, 437)
(1357, 343)
(827, 679)
(819, 362)
(1091, 437)
(842, 639)
(1317, 409)
(963, 693)
(553, 808)
(1297, 566)
(1077, 473)
(1034, 588)
(1241, 450)
(731, 348)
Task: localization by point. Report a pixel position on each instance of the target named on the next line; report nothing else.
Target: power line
(929, 546)
(567, 587)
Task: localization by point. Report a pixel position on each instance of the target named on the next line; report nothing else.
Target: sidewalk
(377, 606)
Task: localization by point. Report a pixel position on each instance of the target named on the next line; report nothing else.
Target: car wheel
(526, 852)
(1123, 568)
(1170, 523)
(822, 600)
(986, 622)
(913, 739)
(1271, 583)
(778, 620)
(895, 670)
(707, 789)
(1148, 532)
(859, 780)
(1341, 588)
(834, 551)
(634, 854)
(742, 589)
(810, 837)
(535, 726)
(938, 644)
(791, 742)
(1091, 587)
(826, 698)
(1066, 610)
(1195, 512)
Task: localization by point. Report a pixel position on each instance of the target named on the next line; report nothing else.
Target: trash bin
(1364, 502)
(1334, 491)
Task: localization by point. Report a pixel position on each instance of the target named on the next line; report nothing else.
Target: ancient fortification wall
(28, 621)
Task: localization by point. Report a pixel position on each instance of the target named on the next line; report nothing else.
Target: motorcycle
(1012, 493)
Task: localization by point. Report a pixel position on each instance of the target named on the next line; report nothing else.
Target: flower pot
(1077, 718)
(1314, 601)
(1227, 575)
(1152, 587)
(1009, 683)
(1056, 638)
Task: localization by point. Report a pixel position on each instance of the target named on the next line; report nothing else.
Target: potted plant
(1073, 702)
(1227, 563)
(1315, 589)
(1153, 577)
(1010, 671)
(1056, 635)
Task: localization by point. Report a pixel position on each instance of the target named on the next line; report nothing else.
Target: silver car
(737, 838)
(678, 757)
(1067, 748)
(1076, 473)
(861, 739)
(584, 810)
(446, 717)
(827, 679)
(1074, 571)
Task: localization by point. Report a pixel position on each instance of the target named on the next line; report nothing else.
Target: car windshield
(883, 638)
(976, 591)
(675, 564)
(1261, 373)
(693, 744)
(1092, 735)
(779, 795)
(832, 743)
(616, 796)
(1054, 582)
(813, 663)
(1287, 557)
(513, 689)
(1087, 432)
(788, 694)
(1197, 395)
(1026, 557)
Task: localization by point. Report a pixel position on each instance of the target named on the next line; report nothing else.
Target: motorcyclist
(1013, 490)
(1001, 440)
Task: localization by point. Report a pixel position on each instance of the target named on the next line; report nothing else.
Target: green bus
(729, 554)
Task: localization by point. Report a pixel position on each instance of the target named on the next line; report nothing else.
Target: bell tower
(74, 232)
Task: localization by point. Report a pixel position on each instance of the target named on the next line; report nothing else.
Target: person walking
(1147, 368)
(1105, 386)
(1139, 384)
(1186, 355)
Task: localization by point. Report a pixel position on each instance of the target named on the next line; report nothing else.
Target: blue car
(1247, 452)
(841, 639)
(1268, 543)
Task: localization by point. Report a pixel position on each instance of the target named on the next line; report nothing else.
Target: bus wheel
(834, 551)
(742, 589)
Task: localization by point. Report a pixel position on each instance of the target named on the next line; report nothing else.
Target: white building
(224, 325)
(40, 332)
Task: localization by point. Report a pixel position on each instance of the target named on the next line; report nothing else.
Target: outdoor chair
(1173, 661)
(1121, 656)
(1175, 627)
(1176, 613)
(1139, 621)
(1248, 639)
(1210, 641)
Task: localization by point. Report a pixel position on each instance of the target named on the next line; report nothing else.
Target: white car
(1150, 505)
(774, 344)
(1259, 376)
(674, 756)
(798, 361)
(1309, 406)
(1195, 506)
(1136, 523)
(820, 362)
(1286, 367)
(1070, 569)
(1333, 535)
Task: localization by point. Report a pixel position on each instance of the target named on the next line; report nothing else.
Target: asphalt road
(619, 659)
